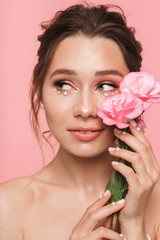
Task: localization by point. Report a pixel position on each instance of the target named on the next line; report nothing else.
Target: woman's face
(83, 72)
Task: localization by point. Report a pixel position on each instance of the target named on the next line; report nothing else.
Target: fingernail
(111, 149)
(100, 196)
(120, 201)
(114, 163)
(116, 130)
(124, 133)
(124, 238)
(113, 203)
(121, 235)
(117, 148)
(133, 123)
(138, 129)
(106, 193)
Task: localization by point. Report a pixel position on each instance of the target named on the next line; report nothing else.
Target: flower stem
(117, 183)
(112, 216)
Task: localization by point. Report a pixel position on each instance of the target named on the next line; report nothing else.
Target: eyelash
(109, 84)
(59, 84)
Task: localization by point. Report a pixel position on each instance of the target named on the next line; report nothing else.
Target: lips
(86, 134)
(84, 131)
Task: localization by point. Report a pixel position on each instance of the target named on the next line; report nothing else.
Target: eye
(62, 85)
(106, 86)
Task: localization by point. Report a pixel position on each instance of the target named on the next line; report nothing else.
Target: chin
(88, 151)
(90, 156)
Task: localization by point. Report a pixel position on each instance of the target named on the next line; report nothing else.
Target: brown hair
(89, 21)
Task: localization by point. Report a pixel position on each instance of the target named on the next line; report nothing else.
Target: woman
(85, 53)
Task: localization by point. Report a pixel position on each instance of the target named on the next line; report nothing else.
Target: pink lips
(86, 134)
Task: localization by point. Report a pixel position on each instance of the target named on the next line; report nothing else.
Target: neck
(84, 174)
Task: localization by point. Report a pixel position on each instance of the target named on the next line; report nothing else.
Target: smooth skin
(61, 201)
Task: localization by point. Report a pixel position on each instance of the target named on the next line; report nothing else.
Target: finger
(107, 223)
(130, 140)
(142, 174)
(102, 233)
(132, 157)
(140, 148)
(136, 131)
(114, 221)
(99, 203)
(94, 217)
(128, 173)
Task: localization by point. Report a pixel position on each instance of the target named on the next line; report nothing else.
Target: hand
(85, 229)
(142, 181)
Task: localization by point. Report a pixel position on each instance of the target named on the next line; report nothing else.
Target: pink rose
(120, 109)
(142, 85)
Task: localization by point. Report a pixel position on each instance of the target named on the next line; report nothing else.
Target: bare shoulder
(14, 200)
(12, 190)
(153, 211)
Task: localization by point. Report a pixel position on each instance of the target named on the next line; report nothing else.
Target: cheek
(57, 108)
(55, 114)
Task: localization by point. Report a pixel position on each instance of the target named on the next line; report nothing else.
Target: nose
(85, 105)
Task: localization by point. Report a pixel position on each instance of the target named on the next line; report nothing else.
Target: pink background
(19, 23)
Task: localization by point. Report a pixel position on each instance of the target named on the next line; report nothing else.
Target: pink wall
(19, 151)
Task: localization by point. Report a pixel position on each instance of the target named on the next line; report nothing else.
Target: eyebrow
(98, 73)
(62, 71)
(109, 72)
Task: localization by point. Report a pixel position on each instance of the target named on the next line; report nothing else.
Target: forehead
(81, 53)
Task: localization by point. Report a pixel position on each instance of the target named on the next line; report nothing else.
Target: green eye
(107, 86)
